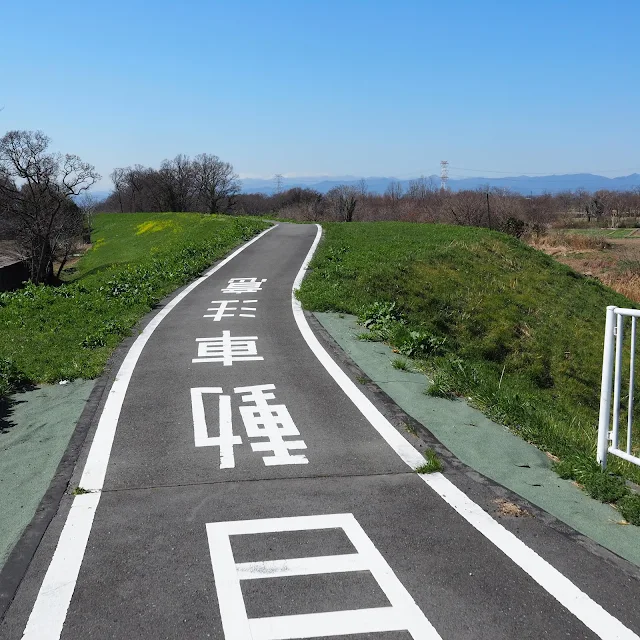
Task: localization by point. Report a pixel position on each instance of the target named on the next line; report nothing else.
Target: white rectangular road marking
(403, 614)
(226, 440)
(333, 623)
(589, 612)
(300, 566)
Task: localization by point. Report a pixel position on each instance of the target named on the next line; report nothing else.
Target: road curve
(241, 486)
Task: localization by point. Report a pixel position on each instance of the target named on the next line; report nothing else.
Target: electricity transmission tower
(278, 179)
(444, 174)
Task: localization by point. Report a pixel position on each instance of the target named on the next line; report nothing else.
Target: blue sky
(332, 87)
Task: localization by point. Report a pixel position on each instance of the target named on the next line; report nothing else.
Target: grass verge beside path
(68, 332)
(490, 319)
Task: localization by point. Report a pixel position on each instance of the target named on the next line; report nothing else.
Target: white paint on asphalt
(221, 311)
(227, 349)
(51, 605)
(331, 623)
(244, 285)
(225, 440)
(248, 315)
(300, 566)
(270, 421)
(403, 614)
(50, 610)
(589, 612)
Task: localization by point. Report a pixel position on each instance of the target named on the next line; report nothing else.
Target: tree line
(46, 207)
(205, 184)
(210, 185)
(45, 204)
(424, 201)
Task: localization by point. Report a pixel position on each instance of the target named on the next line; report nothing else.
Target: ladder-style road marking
(403, 614)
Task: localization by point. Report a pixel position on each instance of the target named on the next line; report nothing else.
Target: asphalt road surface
(251, 490)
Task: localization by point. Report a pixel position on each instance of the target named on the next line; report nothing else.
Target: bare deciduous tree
(38, 187)
(362, 188)
(216, 183)
(421, 188)
(394, 191)
(176, 178)
(342, 202)
(118, 177)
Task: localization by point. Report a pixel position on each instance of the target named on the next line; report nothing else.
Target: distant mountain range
(527, 185)
(98, 195)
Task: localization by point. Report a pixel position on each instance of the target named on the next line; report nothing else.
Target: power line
(534, 173)
(556, 179)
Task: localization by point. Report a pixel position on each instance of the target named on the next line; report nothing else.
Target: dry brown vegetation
(613, 261)
(563, 242)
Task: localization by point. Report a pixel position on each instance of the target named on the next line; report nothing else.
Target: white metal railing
(612, 365)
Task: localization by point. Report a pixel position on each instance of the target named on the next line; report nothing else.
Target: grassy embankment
(490, 319)
(67, 332)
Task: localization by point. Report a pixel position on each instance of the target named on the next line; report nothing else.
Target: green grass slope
(67, 332)
(487, 316)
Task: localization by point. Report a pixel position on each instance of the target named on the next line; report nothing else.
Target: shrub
(422, 344)
(380, 317)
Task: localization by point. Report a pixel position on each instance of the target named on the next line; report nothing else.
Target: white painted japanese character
(273, 422)
(226, 440)
(223, 307)
(244, 285)
(227, 349)
(248, 315)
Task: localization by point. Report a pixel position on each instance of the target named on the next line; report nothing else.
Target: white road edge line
(589, 612)
(50, 608)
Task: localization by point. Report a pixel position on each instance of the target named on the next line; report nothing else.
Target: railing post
(617, 380)
(605, 388)
(632, 378)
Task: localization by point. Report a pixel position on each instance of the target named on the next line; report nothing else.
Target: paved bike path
(337, 538)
